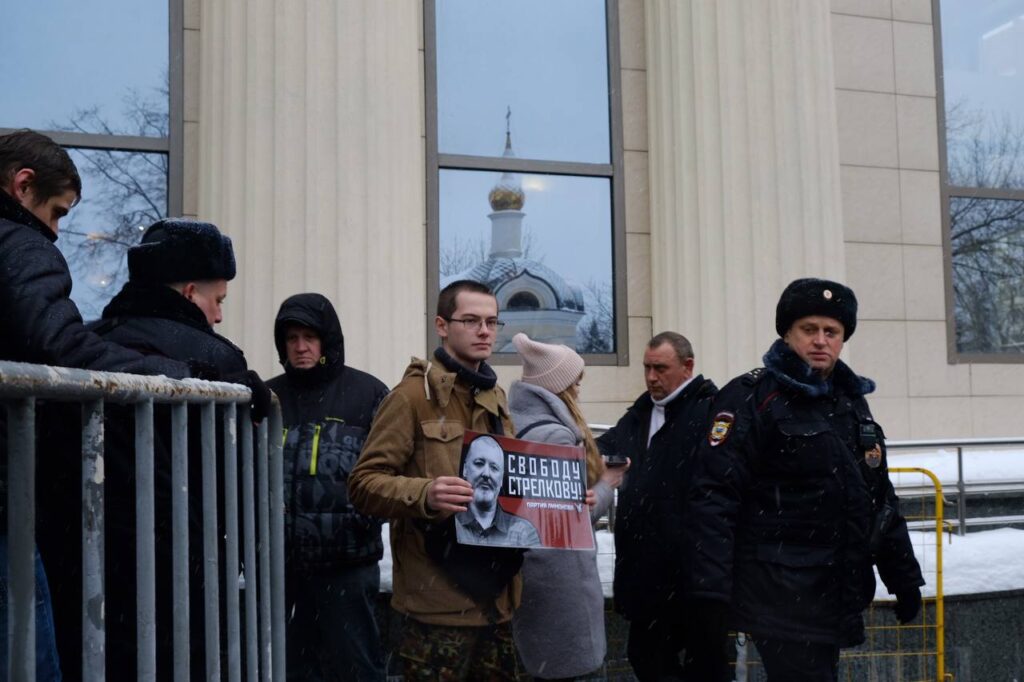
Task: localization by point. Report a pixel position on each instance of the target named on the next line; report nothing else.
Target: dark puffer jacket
(786, 516)
(649, 567)
(41, 324)
(327, 414)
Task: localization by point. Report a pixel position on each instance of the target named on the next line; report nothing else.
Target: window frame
(613, 171)
(947, 193)
(173, 144)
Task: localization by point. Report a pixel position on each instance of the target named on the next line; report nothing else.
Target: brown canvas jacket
(416, 437)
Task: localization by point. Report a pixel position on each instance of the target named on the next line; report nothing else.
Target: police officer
(792, 502)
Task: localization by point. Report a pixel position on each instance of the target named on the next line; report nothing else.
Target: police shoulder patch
(721, 426)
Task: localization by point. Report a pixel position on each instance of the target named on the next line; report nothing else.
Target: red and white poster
(525, 494)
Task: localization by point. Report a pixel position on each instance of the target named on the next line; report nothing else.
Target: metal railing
(261, 529)
(965, 486)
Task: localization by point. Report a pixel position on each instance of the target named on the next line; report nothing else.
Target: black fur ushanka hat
(180, 250)
(810, 296)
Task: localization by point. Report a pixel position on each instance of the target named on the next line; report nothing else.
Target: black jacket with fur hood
(327, 412)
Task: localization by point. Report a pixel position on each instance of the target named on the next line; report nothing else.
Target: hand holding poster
(525, 494)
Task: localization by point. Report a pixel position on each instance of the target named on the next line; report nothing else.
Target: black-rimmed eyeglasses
(474, 323)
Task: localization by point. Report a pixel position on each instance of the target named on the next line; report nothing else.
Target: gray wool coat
(559, 627)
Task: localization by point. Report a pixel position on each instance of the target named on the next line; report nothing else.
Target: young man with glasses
(457, 599)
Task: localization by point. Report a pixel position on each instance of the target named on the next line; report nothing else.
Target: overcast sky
(61, 55)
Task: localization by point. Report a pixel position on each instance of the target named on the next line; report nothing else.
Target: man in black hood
(332, 576)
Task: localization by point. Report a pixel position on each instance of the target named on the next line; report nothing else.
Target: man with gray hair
(659, 434)
(485, 522)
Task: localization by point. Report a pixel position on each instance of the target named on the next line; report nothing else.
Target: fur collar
(791, 371)
(142, 299)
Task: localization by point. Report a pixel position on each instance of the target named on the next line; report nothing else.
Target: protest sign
(525, 494)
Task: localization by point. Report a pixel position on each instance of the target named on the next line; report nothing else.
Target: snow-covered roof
(496, 272)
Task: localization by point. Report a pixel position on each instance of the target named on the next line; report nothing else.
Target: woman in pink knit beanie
(559, 627)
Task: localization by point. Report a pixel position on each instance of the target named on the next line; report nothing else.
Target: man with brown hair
(458, 599)
(39, 185)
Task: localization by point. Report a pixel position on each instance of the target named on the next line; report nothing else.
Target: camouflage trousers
(444, 653)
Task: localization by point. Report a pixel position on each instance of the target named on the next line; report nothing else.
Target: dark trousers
(443, 653)
(654, 647)
(47, 664)
(798, 661)
(332, 631)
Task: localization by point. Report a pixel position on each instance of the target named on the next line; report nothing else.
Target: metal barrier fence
(261, 528)
(966, 485)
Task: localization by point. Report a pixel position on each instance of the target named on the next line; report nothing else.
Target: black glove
(260, 402)
(908, 604)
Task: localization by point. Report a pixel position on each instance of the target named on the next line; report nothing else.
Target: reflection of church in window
(532, 298)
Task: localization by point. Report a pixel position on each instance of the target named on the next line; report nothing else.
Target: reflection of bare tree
(596, 331)
(984, 149)
(458, 255)
(986, 234)
(133, 190)
(125, 191)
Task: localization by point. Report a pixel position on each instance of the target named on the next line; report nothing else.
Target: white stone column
(311, 159)
(744, 168)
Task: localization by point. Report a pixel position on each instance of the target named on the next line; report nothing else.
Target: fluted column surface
(311, 159)
(744, 168)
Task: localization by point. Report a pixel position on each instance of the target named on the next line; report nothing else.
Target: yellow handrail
(940, 622)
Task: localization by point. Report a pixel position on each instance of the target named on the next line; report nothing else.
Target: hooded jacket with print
(327, 411)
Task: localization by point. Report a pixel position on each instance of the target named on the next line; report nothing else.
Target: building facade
(749, 143)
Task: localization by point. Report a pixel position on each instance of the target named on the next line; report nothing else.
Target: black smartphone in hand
(616, 461)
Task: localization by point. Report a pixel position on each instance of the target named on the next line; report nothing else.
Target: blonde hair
(595, 463)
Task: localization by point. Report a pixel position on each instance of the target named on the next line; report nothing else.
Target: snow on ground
(980, 466)
(985, 561)
(988, 561)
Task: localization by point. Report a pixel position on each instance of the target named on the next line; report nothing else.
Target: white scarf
(658, 413)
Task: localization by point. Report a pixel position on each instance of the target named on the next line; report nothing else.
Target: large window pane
(122, 194)
(67, 59)
(543, 242)
(983, 71)
(987, 242)
(545, 60)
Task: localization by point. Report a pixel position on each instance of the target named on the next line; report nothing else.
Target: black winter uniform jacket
(154, 319)
(785, 504)
(650, 515)
(327, 413)
(159, 322)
